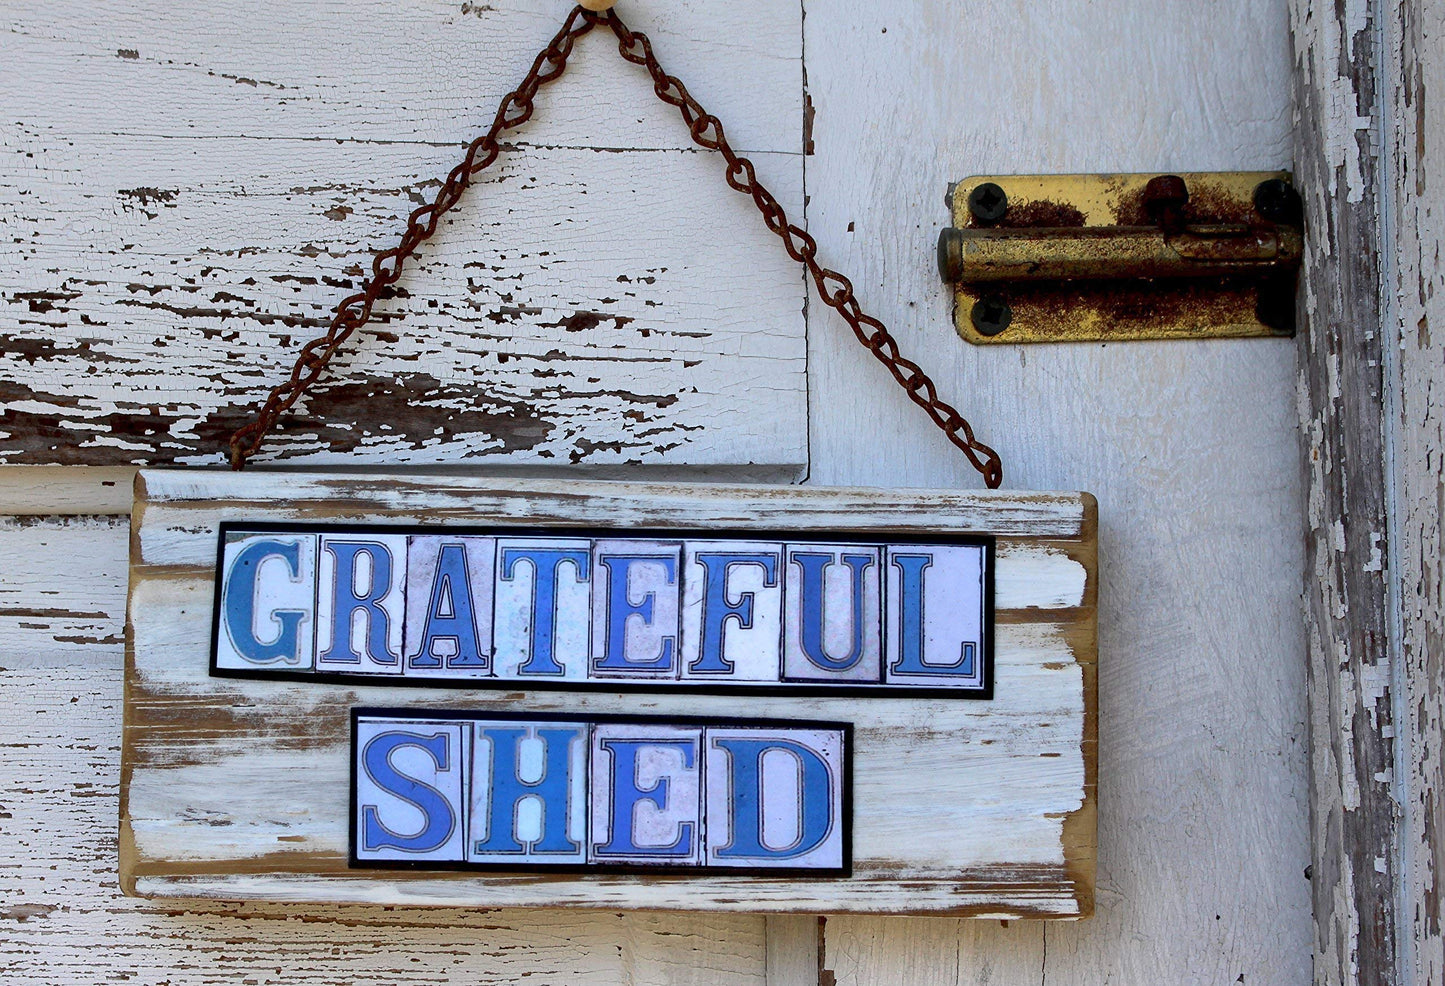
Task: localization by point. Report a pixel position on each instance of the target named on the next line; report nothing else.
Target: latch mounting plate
(1113, 257)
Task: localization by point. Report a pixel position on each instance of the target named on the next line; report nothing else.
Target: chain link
(835, 290)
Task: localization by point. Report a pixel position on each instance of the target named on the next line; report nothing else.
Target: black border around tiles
(662, 870)
(983, 692)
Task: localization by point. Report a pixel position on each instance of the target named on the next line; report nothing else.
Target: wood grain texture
(179, 226)
(1190, 447)
(238, 789)
(63, 919)
(1355, 859)
(1413, 84)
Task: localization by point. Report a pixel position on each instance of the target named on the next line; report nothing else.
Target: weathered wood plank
(239, 787)
(1355, 859)
(1191, 448)
(1414, 343)
(583, 305)
(63, 919)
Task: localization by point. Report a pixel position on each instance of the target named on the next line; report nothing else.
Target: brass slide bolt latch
(1075, 258)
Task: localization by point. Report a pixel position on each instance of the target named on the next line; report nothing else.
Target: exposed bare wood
(1415, 330)
(1352, 720)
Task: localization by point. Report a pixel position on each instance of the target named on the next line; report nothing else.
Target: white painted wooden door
(857, 115)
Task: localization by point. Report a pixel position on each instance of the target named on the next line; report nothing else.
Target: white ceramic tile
(360, 603)
(543, 608)
(935, 616)
(268, 603)
(732, 611)
(449, 582)
(646, 794)
(528, 792)
(409, 789)
(636, 593)
(775, 797)
(832, 613)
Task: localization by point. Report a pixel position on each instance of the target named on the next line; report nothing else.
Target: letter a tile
(449, 606)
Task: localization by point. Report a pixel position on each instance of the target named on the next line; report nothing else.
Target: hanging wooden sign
(917, 733)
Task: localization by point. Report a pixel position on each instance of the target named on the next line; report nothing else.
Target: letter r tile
(360, 603)
(646, 795)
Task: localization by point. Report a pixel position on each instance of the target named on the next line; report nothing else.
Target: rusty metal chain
(835, 290)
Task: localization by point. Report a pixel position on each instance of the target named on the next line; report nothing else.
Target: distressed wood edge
(334, 889)
(1355, 848)
(65, 491)
(126, 849)
(1080, 831)
(1058, 515)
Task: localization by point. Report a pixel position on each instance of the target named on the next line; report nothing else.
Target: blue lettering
(626, 796)
(745, 799)
(718, 609)
(438, 817)
(910, 624)
(553, 788)
(545, 562)
(345, 603)
(241, 604)
(813, 565)
(621, 608)
(450, 615)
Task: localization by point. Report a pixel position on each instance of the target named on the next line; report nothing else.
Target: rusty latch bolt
(1174, 247)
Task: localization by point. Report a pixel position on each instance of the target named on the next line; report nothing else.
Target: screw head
(987, 202)
(1277, 201)
(1164, 199)
(1274, 305)
(991, 315)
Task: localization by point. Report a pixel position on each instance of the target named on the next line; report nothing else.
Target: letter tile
(409, 790)
(646, 796)
(360, 603)
(832, 613)
(542, 624)
(732, 611)
(449, 606)
(636, 592)
(267, 612)
(935, 616)
(529, 792)
(775, 797)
